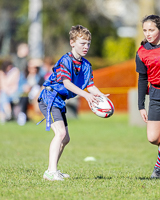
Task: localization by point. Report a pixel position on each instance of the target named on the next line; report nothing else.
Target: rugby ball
(104, 108)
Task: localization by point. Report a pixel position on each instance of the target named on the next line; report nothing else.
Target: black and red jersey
(148, 67)
(149, 55)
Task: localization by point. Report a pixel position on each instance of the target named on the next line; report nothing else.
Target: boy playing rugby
(71, 75)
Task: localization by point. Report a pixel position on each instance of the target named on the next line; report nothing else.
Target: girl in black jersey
(148, 67)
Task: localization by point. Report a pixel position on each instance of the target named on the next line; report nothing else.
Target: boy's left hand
(106, 95)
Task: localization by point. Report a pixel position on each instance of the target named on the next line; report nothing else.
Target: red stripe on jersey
(66, 72)
(59, 69)
(61, 65)
(65, 75)
(59, 79)
(90, 85)
(58, 75)
(76, 62)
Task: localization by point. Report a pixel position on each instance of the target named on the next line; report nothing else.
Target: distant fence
(115, 80)
(118, 95)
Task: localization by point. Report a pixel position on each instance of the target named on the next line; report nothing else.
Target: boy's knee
(66, 140)
(62, 134)
(59, 131)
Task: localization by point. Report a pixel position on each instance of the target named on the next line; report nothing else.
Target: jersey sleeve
(90, 82)
(140, 66)
(63, 71)
(142, 90)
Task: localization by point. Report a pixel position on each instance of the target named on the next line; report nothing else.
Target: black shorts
(56, 114)
(154, 110)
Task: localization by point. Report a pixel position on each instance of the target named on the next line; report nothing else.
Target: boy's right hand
(91, 99)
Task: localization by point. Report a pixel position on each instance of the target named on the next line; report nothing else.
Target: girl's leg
(153, 134)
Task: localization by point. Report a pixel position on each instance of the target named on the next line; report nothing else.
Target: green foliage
(98, 62)
(124, 161)
(21, 17)
(118, 49)
(18, 14)
(58, 17)
(10, 5)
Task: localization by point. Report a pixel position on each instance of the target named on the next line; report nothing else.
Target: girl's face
(32, 70)
(151, 32)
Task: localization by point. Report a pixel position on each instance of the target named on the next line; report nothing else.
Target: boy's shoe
(53, 176)
(64, 175)
(156, 173)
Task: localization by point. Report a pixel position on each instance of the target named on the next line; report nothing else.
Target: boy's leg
(61, 138)
(64, 143)
(54, 150)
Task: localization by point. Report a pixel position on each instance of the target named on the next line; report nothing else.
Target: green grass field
(124, 161)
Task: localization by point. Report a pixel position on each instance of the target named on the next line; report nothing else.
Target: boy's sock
(157, 165)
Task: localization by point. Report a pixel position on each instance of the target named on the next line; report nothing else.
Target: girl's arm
(142, 90)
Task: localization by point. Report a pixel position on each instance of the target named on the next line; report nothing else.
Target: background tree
(58, 17)
(118, 49)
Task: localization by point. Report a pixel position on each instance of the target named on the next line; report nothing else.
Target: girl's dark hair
(144, 41)
(26, 71)
(5, 64)
(153, 18)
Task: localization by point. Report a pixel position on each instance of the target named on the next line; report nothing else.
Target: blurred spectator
(46, 68)
(29, 87)
(21, 58)
(9, 77)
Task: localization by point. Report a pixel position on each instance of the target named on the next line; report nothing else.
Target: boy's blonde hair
(79, 31)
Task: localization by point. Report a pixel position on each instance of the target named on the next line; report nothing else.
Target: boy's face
(80, 47)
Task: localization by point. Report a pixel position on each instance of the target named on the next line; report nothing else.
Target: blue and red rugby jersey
(78, 72)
